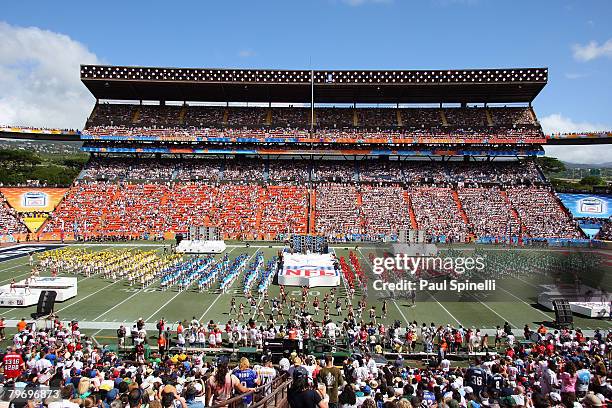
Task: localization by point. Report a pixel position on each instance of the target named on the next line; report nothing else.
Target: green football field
(105, 304)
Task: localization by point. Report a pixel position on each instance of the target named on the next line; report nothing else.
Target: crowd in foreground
(560, 368)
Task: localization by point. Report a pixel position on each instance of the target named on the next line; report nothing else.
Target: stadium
(398, 225)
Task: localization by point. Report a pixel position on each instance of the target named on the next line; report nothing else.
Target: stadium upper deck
(462, 116)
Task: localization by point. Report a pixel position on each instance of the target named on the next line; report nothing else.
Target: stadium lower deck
(103, 304)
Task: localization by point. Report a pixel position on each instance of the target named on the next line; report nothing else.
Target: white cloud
(40, 80)
(557, 123)
(356, 3)
(594, 154)
(246, 53)
(592, 50)
(573, 75)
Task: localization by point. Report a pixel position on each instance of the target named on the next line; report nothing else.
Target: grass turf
(102, 300)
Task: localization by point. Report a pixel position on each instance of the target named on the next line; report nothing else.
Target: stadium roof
(499, 85)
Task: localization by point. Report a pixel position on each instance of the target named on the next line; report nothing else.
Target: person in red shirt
(13, 364)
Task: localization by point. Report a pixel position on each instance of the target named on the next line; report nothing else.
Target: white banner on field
(310, 270)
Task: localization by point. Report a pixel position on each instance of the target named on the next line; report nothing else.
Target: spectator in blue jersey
(248, 378)
(476, 377)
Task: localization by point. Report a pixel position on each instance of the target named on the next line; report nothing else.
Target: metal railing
(269, 395)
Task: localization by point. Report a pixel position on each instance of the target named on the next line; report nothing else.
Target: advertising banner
(26, 199)
(587, 205)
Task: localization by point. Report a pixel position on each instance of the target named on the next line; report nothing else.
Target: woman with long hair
(222, 384)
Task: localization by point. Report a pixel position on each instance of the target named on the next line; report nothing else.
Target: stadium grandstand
(264, 154)
(330, 168)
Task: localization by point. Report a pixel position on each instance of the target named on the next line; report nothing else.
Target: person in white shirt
(65, 393)
(549, 382)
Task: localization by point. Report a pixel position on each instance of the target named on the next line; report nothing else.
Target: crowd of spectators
(466, 117)
(605, 232)
(562, 368)
(289, 170)
(489, 212)
(243, 169)
(374, 118)
(327, 170)
(438, 213)
(504, 172)
(334, 118)
(466, 367)
(105, 114)
(116, 169)
(285, 212)
(336, 210)
(9, 220)
(204, 116)
(173, 122)
(455, 199)
(541, 213)
(246, 117)
(149, 210)
(204, 169)
(385, 210)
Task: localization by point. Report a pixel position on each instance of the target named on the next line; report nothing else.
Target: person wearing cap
(300, 395)
(592, 400)
(191, 392)
(266, 373)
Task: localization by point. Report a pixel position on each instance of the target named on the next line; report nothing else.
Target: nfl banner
(310, 270)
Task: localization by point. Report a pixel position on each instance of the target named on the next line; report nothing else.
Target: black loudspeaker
(46, 303)
(179, 238)
(563, 313)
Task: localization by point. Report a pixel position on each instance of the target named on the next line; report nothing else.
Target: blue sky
(572, 38)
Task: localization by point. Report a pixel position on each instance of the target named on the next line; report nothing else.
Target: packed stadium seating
(541, 213)
(385, 210)
(438, 213)
(489, 212)
(264, 198)
(9, 220)
(606, 230)
(171, 122)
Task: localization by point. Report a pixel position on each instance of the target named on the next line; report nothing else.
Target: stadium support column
(311, 100)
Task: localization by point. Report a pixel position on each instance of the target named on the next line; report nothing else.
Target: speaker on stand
(563, 313)
(46, 303)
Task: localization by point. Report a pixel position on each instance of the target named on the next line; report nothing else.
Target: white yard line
(165, 304)
(524, 281)
(124, 300)
(498, 315)
(522, 301)
(393, 300)
(445, 309)
(91, 294)
(222, 292)
(13, 267)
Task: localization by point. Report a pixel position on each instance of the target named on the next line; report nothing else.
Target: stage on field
(310, 270)
(583, 300)
(200, 247)
(24, 295)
